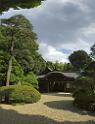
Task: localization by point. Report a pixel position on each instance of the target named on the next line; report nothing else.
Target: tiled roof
(67, 74)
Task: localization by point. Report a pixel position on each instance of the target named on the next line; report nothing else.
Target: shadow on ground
(68, 106)
(12, 117)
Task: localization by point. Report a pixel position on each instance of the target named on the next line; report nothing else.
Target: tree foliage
(90, 69)
(68, 67)
(4, 56)
(18, 43)
(17, 73)
(30, 79)
(59, 66)
(79, 59)
(6, 4)
(85, 82)
(85, 93)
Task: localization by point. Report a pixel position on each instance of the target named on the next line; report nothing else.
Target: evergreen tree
(6, 4)
(18, 40)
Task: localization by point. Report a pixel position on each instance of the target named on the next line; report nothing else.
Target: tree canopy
(79, 59)
(6, 4)
(59, 66)
(90, 70)
(18, 43)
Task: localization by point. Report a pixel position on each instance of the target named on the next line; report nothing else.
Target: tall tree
(79, 59)
(19, 41)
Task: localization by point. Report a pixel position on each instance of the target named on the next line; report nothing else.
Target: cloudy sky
(63, 26)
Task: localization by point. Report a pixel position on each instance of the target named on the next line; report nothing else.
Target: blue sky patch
(65, 51)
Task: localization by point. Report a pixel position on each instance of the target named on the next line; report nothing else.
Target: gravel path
(51, 109)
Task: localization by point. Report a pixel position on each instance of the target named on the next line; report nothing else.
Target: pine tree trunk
(9, 71)
(8, 78)
(10, 62)
(7, 100)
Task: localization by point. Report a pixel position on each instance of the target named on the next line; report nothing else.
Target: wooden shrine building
(55, 81)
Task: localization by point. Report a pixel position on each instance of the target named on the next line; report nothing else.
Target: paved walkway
(51, 109)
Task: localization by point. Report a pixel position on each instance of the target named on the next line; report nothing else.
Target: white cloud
(52, 54)
(62, 24)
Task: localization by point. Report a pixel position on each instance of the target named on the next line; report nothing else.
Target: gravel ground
(51, 109)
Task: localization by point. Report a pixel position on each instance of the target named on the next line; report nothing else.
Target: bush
(85, 93)
(84, 82)
(85, 99)
(19, 94)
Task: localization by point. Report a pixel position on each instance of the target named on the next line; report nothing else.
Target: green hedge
(85, 93)
(84, 82)
(19, 94)
(84, 99)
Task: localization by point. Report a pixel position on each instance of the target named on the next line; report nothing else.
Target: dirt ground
(51, 109)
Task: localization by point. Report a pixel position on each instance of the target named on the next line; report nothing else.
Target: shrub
(19, 94)
(85, 99)
(84, 82)
(85, 93)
